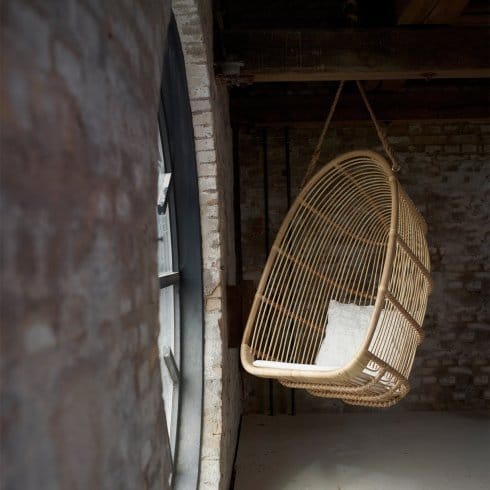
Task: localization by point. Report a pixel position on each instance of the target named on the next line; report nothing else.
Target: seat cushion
(291, 365)
(345, 333)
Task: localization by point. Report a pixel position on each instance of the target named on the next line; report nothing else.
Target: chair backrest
(351, 235)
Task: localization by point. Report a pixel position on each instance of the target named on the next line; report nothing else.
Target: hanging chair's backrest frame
(360, 359)
(350, 382)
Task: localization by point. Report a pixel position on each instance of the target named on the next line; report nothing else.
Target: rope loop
(395, 166)
(316, 154)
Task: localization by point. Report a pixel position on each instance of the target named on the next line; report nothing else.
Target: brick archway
(212, 139)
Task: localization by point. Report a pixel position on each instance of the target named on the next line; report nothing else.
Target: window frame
(171, 358)
(177, 137)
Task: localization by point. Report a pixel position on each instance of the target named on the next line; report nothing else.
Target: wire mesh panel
(353, 236)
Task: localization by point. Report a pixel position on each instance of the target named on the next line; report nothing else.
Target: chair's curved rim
(360, 360)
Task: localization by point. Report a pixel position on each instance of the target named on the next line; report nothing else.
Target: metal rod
(287, 163)
(172, 368)
(236, 204)
(266, 193)
(168, 279)
(265, 169)
(287, 160)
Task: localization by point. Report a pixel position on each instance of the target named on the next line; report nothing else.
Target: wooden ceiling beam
(361, 54)
(429, 11)
(477, 13)
(434, 103)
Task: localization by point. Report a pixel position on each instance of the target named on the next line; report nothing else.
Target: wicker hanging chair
(354, 237)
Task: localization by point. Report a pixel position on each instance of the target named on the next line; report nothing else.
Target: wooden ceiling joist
(429, 103)
(429, 11)
(361, 54)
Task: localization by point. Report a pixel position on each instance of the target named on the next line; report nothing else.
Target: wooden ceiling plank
(361, 54)
(429, 103)
(429, 11)
(446, 12)
(413, 11)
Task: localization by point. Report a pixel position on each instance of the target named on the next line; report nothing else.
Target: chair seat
(292, 365)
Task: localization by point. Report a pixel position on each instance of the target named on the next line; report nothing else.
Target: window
(168, 275)
(179, 271)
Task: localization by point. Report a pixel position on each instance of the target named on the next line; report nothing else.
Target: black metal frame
(177, 134)
(170, 279)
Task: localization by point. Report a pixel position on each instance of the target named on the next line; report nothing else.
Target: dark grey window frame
(177, 134)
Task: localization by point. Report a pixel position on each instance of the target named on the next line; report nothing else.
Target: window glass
(168, 341)
(164, 242)
(163, 216)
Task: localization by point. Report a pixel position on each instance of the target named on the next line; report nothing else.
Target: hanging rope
(316, 154)
(395, 166)
(381, 134)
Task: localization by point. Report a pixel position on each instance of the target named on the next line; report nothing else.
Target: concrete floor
(389, 450)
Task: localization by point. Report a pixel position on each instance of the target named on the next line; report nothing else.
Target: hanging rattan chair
(353, 237)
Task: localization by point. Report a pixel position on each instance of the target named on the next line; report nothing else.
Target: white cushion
(292, 365)
(345, 333)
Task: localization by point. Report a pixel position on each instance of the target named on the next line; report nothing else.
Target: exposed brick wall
(209, 104)
(81, 401)
(81, 389)
(446, 171)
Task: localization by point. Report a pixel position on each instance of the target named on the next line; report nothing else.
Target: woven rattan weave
(351, 235)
